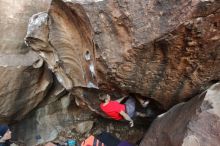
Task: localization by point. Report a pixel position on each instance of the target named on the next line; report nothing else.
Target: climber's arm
(127, 117)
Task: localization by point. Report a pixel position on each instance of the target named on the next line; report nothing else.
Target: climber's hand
(131, 123)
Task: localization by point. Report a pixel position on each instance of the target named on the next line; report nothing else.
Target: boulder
(193, 123)
(25, 80)
(156, 48)
(164, 50)
(158, 51)
(63, 38)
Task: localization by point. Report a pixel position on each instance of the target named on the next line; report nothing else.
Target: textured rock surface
(23, 85)
(140, 47)
(166, 50)
(194, 123)
(22, 89)
(63, 43)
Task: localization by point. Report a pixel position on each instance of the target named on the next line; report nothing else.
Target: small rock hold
(189, 25)
(215, 38)
(193, 43)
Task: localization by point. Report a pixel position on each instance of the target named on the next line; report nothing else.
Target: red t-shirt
(113, 109)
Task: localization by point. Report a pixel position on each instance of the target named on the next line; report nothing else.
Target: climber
(5, 135)
(118, 111)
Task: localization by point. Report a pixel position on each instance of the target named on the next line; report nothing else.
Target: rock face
(156, 48)
(194, 123)
(23, 83)
(164, 50)
(65, 44)
(139, 47)
(22, 89)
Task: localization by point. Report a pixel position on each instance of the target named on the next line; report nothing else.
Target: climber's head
(104, 97)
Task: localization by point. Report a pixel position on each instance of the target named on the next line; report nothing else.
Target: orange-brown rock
(164, 50)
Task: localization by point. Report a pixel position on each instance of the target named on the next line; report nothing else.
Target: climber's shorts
(130, 107)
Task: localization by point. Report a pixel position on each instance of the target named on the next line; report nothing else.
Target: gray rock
(84, 127)
(194, 123)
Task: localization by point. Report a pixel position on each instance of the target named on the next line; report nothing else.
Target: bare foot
(145, 103)
(141, 114)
